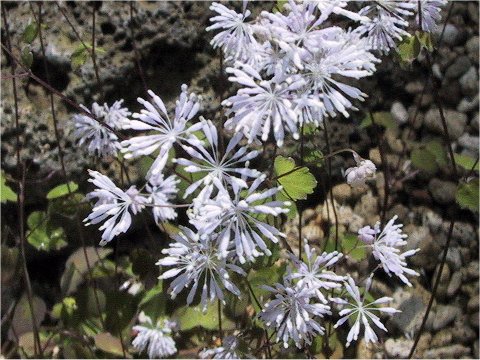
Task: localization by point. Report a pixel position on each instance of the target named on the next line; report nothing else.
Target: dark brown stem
(386, 173)
(329, 183)
(91, 50)
(434, 290)
(135, 50)
(94, 56)
(21, 194)
(267, 338)
(62, 160)
(452, 222)
(48, 87)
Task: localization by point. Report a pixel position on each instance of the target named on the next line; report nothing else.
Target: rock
(462, 333)
(427, 246)
(364, 350)
(368, 208)
(398, 348)
(458, 68)
(454, 258)
(307, 215)
(442, 191)
(466, 105)
(444, 315)
(475, 350)
(442, 338)
(412, 303)
(450, 93)
(432, 219)
(342, 192)
(399, 112)
(469, 82)
(313, 233)
(474, 320)
(473, 304)
(475, 122)
(472, 48)
(444, 280)
(414, 87)
(449, 352)
(374, 156)
(455, 283)
(470, 289)
(471, 271)
(450, 35)
(394, 142)
(469, 142)
(456, 122)
(464, 233)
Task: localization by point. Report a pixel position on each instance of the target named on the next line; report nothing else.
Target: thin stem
(386, 173)
(21, 193)
(329, 177)
(135, 50)
(91, 49)
(62, 160)
(434, 290)
(452, 222)
(299, 209)
(94, 56)
(313, 163)
(59, 94)
(220, 329)
(269, 349)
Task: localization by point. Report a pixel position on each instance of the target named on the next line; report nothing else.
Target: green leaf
(424, 160)
(6, 193)
(408, 49)
(22, 320)
(438, 150)
(191, 317)
(466, 162)
(30, 33)
(76, 267)
(62, 190)
(467, 195)
(265, 276)
(297, 184)
(151, 294)
(42, 235)
(352, 246)
(425, 40)
(313, 156)
(79, 57)
(27, 57)
(382, 118)
(108, 343)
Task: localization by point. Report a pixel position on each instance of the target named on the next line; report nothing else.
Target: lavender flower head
(293, 313)
(362, 313)
(114, 204)
(164, 130)
(195, 260)
(99, 139)
(314, 273)
(385, 246)
(365, 170)
(155, 338)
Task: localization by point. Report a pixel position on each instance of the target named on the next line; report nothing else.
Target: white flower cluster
(98, 139)
(386, 245)
(155, 338)
(365, 170)
(292, 68)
